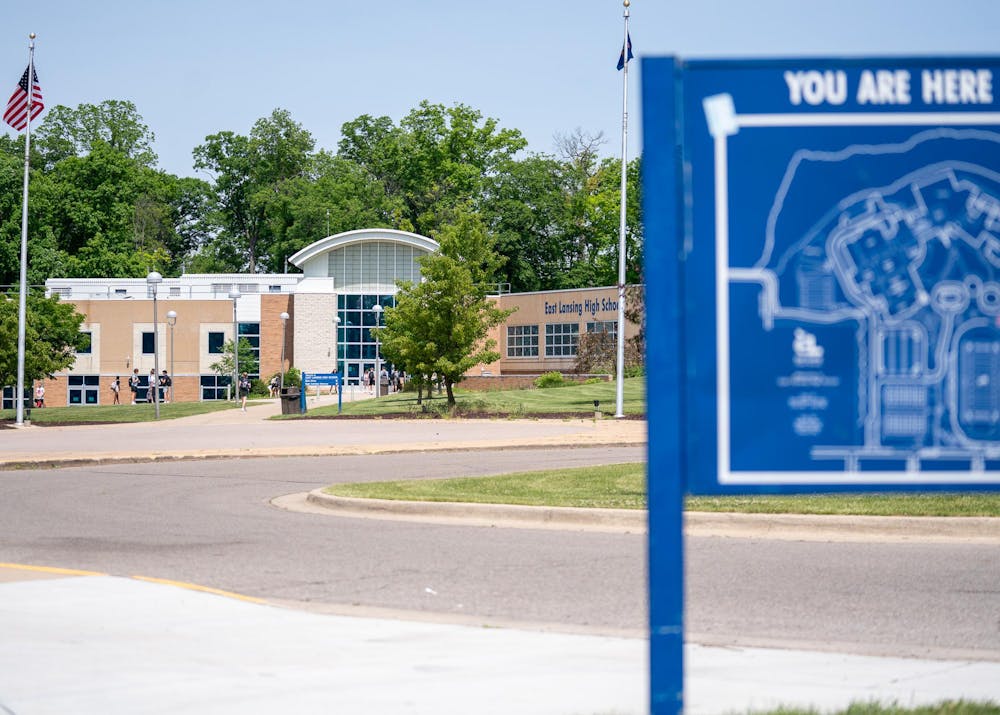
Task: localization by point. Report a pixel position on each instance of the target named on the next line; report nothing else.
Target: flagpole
(620, 362)
(23, 286)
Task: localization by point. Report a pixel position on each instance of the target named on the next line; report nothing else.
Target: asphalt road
(212, 523)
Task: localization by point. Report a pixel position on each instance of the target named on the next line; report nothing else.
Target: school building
(333, 308)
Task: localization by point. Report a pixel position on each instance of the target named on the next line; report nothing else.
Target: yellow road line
(51, 569)
(196, 587)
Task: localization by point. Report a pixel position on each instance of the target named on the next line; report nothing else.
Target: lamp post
(153, 280)
(234, 294)
(281, 373)
(171, 321)
(378, 362)
(336, 354)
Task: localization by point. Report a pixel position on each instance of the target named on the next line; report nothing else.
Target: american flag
(16, 114)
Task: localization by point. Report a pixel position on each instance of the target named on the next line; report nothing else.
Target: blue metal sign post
(837, 235)
(316, 379)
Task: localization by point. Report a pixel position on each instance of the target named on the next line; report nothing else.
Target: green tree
(526, 211)
(67, 132)
(441, 324)
(438, 159)
(339, 196)
(249, 177)
(51, 337)
(226, 365)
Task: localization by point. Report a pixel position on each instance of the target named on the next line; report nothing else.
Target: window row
(86, 389)
(561, 339)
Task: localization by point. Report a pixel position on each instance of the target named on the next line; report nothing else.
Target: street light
(281, 373)
(153, 280)
(336, 354)
(234, 294)
(378, 362)
(171, 321)
(336, 324)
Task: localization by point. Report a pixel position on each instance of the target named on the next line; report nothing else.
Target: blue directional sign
(822, 256)
(839, 272)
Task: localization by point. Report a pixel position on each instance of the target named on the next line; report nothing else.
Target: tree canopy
(100, 207)
(51, 337)
(440, 325)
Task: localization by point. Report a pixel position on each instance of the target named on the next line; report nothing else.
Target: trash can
(291, 403)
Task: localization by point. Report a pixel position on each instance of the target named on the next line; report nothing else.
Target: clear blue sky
(195, 68)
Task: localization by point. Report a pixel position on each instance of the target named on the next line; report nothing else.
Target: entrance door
(355, 371)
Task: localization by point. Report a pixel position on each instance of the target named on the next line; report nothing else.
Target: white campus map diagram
(911, 263)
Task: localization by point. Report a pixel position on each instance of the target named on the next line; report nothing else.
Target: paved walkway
(241, 434)
(95, 643)
(99, 644)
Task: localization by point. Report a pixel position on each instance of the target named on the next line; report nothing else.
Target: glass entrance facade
(356, 339)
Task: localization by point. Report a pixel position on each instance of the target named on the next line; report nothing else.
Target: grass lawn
(89, 414)
(622, 486)
(570, 400)
(618, 486)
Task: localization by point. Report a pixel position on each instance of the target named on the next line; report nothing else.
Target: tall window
(215, 343)
(522, 341)
(251, 333)
(147, 343)
(86, 349)
(356, 335)
(561, 339)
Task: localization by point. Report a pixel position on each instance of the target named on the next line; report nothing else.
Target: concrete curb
(792, 527)
(506, 515)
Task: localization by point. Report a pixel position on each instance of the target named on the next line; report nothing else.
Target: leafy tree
(338, 197)
(51, 337)
(67, 132)
(526, 210)
(226, 366)
(249, 176)
(438, 159)
(108, 215)
(441, 324)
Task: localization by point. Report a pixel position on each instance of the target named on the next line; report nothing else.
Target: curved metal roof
(331, 243)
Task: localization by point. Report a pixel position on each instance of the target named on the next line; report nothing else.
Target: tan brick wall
(271, 308)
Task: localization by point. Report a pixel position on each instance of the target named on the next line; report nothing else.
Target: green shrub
(635, 371)
(258, 388)
(549, 379)
(594, 381)
(293, 378)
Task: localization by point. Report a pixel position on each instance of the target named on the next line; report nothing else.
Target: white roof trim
(330, 243)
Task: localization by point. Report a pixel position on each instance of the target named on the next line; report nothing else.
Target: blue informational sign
(842, 254)
(822, 257)
(314, 379)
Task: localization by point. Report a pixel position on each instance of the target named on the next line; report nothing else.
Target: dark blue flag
(626, 47)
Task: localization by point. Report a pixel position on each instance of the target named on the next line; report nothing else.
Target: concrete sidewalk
(98, 644)
(233, 433)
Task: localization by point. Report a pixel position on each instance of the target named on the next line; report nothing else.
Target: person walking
(166, 385)
(133, 384)
(116, 386)
(244, 388)
(40, 395)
